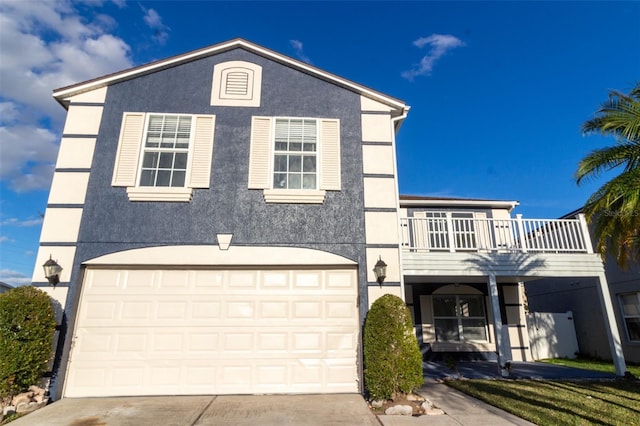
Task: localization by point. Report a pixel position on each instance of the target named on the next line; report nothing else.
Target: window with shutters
(236, 83)
(294, 159)
(163, 157)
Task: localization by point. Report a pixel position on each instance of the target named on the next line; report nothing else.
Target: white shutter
(202, 152)
(128, 155)
(330, 154)
(260, 151)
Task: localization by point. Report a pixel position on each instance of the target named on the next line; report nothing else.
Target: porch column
(611, 326)
(502, 333)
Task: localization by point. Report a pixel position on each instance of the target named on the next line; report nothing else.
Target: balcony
(447, 233)
(445, 245)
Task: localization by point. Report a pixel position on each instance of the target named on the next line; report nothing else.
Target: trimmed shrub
(27, 327)
(392, 358)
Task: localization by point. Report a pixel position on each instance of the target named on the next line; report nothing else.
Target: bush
(27, 326)
(392, 358)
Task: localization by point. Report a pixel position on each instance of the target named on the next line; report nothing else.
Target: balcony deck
(518, 248)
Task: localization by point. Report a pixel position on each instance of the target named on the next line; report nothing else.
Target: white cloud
(64, 47)
(12, 221)
(298, 48)
(439, 44)
(14, 278)
(5, 239)
(154, 21)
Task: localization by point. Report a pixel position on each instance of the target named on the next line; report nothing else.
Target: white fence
(552, 335)
(447, 233)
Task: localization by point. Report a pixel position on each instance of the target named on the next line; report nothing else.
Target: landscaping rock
(427, 405)
(377, 403)
(414, 397)
(401, 410)
(29, 407)
(434, 412)
(20, 398)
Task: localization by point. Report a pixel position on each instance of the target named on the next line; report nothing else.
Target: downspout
(397, 121)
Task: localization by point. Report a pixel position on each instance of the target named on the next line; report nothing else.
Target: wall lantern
(380, 270)
(52, 271)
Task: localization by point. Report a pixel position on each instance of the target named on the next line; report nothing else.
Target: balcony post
(523, 241)
(450, 234)
(611, 326)
(586, 236)
(503, 343)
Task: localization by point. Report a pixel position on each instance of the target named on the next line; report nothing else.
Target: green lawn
(591, 364)
(613, 402)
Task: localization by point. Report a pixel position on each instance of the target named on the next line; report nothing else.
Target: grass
(613, 402)
(592, 364)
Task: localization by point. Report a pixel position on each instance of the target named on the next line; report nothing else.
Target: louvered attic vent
(236, 83)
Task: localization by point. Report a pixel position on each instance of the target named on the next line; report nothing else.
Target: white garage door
(180, 332)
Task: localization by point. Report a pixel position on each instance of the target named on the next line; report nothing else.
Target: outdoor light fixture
(380, 270)
(52, 271)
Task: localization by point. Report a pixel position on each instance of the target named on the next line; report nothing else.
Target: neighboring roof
(65, 92)
(4, 285)
(426, 201)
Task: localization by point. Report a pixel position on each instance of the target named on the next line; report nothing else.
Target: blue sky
(498, 90)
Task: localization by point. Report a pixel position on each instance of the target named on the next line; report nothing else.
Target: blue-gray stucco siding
(112, 223)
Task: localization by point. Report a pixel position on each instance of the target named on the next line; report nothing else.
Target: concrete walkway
(459, 409)
(285, 410)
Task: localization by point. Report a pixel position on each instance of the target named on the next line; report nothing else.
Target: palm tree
(614, 208)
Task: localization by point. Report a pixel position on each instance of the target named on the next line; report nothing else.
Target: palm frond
(605, 159)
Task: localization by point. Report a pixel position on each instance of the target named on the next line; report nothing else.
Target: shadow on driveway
(519, 370)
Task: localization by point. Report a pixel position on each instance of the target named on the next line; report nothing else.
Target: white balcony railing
(496, 235)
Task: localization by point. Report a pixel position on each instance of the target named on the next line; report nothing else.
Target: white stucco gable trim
(212, 255)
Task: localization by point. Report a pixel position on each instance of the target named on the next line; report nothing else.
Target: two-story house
(218, 216)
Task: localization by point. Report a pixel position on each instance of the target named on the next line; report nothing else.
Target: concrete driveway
(263, 410)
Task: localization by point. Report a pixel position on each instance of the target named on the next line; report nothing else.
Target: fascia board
(492, 204)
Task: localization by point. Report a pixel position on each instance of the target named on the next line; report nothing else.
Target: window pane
(170, 124)
(295, 163)
(280, 163)
(471, 306)
(633, 328)
(281, 146)
(295, 182)
(150, 160)
(178, 178)
(446, 330)
(474, 329)
(180, 161)
(630, 304)
(153, 140)
(295, 146)
(280, 180)
(148, 178)
(166, 160)
(309, 147)
(164, 178)
(309, 164)
(444, 306)
(309, 181)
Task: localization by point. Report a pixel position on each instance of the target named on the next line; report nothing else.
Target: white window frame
(301, 153)
(625, 316)
(459, 317)
(144, 149)
(130, 157)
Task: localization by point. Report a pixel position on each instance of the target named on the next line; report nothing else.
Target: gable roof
(62, 94)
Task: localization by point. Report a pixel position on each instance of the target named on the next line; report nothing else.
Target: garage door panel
(155, 332)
